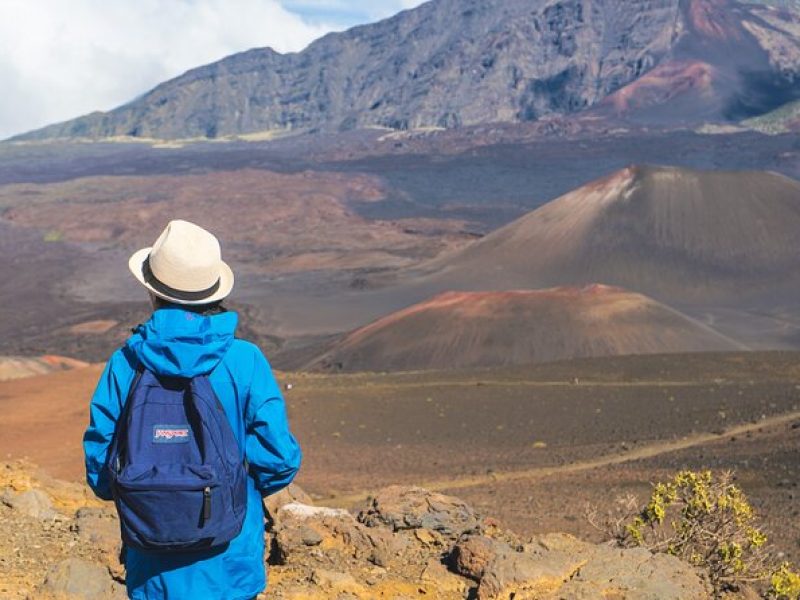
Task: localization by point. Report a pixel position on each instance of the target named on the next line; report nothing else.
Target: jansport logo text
(170, 434)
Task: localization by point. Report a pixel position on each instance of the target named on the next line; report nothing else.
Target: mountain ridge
(497, 61)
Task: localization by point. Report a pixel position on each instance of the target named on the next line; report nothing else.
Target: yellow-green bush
(708, 522)
(784, 583)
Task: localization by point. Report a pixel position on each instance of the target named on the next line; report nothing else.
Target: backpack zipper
(206, 503)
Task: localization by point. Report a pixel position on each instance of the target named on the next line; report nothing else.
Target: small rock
(379, 557)
(289, 494)
(325, 577)
(471, 556)
(306, 511)
(310, 537)
(32, 503)
(340, 583)
(427, 537)
(75, 579)
(440, 580)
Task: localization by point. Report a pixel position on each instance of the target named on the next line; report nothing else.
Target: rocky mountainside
(57, 543)
(451, 63)
(482, 329)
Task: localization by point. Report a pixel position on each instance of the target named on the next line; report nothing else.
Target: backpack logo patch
(170, 434)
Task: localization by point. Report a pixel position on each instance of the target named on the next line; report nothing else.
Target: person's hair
(213, 308)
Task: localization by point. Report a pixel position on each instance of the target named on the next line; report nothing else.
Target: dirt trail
(470, 383)
(643, 452)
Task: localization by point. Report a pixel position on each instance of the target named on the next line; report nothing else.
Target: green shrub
(54, 235)
(709, 523)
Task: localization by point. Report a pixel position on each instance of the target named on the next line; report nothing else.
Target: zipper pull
(206, 503)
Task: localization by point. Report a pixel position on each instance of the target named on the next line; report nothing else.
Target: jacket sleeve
(272, 451)
(106, 406)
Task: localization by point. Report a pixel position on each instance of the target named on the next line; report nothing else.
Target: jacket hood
(180, 343)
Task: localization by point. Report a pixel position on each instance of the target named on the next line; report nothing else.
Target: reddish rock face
(666, 82)
(714, 18)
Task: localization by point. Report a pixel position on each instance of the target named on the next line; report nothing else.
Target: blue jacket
(181, 343)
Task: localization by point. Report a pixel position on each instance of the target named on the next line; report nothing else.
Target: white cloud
(63, 58)
(349, 11)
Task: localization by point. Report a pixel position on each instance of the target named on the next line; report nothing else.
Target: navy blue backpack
(177, 471)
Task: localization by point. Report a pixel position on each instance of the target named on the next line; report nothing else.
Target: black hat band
(163, 288)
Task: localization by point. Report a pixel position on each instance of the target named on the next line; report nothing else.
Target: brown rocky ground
(405, 542)
(531, 445)
(764, 459)
(55, 404)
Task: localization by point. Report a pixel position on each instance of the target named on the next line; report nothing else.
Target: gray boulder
(560, 567)
(401, 508)
(32, 503)
(301, 529)
(99, 528)
(76, 579)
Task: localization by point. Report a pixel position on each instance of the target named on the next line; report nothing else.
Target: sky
(60, 59)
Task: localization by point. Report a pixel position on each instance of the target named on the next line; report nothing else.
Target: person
(191, 333)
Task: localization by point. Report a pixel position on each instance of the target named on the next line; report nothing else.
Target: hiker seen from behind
(188, 432)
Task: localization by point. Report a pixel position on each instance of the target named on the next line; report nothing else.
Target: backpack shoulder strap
(113, 450)
(203, 392)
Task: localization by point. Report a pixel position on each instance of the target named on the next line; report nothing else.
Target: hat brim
(136, 266)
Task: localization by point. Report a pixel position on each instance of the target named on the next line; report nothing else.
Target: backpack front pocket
(170, 506)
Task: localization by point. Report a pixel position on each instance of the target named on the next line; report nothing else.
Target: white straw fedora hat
(184, 266)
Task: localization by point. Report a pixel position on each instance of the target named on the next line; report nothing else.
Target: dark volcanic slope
(449, 63)
(454, 330)
(676, 234)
